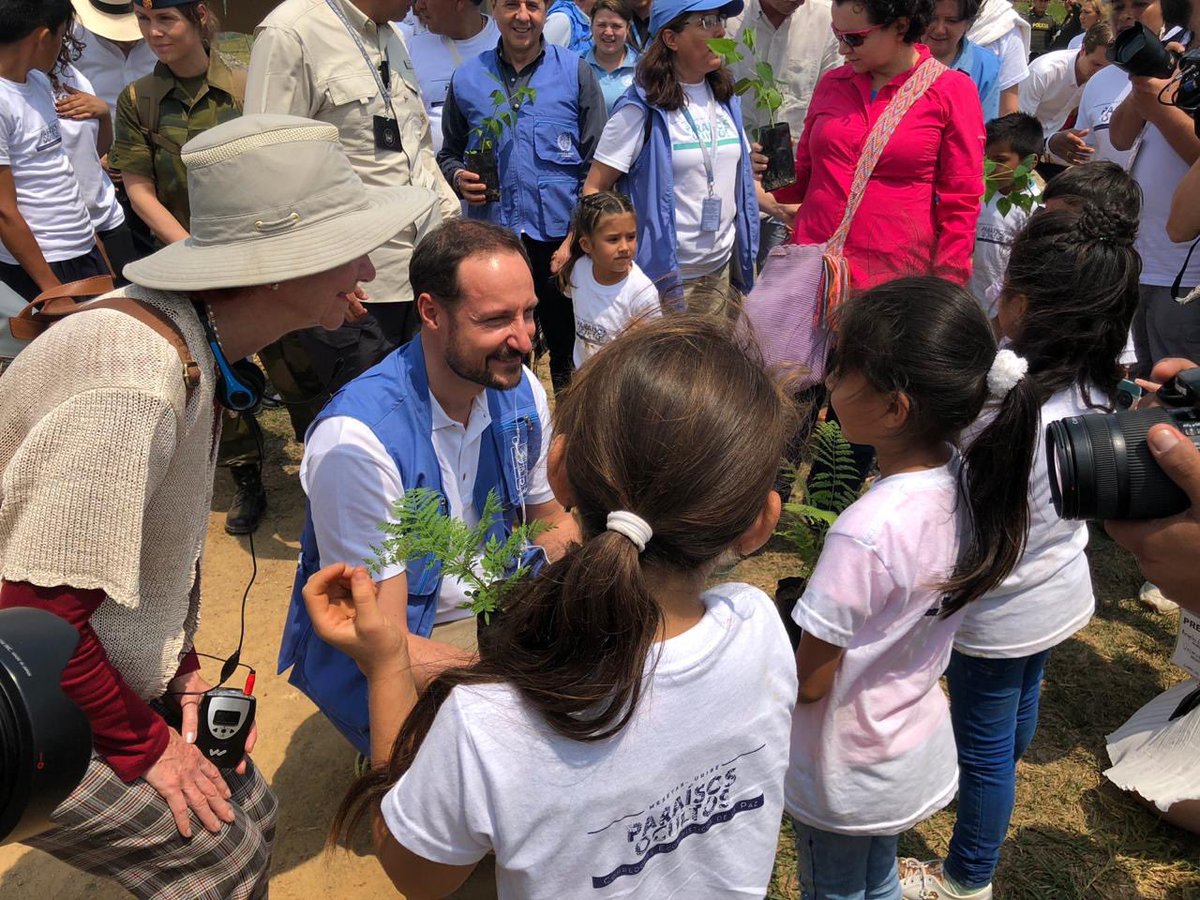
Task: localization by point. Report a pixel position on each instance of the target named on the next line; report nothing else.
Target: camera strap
(1177, 285)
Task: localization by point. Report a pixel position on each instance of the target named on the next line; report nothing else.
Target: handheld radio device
(226, 716)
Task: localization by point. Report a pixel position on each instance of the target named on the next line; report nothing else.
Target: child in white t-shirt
(608, 291)
(1011, 140)
(626, 730)
(46, 234)
(872, 744)
(1069, 295)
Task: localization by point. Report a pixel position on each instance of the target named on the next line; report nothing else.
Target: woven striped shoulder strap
(910, 92)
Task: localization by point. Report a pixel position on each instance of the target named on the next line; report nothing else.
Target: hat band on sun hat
(234, 214)
(112, 9)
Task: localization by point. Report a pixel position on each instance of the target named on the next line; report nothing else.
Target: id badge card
(1187, 646)
(710, 214)
(387, 133)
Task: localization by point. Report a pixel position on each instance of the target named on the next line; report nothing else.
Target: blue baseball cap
(664, 12)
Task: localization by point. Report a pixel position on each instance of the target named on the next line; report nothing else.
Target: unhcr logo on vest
(565, 147)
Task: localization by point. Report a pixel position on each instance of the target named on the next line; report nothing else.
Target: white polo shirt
(1051, 91)
(352, 483)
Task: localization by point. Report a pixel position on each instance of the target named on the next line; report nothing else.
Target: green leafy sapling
(762, 83)
(1023, 193)
(488, 567)
(491, 130)
(826, 495)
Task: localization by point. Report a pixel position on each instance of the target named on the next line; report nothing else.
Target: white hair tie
(632, 526)
(1006, 371)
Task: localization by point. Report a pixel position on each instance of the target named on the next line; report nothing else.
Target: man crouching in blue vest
(453, 410)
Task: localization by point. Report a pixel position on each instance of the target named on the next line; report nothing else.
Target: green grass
(1073, 835)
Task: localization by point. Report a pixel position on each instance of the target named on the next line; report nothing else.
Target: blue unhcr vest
(651, 185)
(541, 170)
(581, 26)
(392, 399)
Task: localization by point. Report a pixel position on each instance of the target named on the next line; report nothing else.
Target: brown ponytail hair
(675, 421)
(930, 340)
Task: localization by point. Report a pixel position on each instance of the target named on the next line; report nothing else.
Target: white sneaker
(1151, 596)
(925, 881)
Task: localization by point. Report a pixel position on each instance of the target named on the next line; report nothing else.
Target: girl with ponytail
(627, 727)
(872, 744)
(1069, 295)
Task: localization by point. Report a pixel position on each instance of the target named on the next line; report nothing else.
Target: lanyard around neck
(708, 153)
(385, 90)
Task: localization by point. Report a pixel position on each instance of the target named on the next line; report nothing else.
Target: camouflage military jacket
(151, 148)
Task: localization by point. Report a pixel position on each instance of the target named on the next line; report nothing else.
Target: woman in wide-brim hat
(108, 447)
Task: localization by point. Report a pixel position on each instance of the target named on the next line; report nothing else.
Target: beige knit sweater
(106, 474)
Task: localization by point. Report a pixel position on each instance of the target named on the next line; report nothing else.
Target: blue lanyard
(709, 154)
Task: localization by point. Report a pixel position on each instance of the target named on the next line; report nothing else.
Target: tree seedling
(1023, 194)
(488, 567)
(482, 160)
(776, 138)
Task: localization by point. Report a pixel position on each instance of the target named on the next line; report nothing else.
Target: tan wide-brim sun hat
(273, 197)
(114, 21)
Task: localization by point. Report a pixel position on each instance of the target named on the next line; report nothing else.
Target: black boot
(249, 502)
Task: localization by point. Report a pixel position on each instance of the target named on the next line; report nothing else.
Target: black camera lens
(1138, 51)
(1101, 468)
(45, 741)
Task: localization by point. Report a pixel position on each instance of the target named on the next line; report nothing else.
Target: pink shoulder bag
(801, 285)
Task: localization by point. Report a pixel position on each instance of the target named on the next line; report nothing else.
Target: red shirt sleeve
(125, 730)
(958, 188)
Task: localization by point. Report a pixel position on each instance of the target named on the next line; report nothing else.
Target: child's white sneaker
(1151, 596)
(925, 881)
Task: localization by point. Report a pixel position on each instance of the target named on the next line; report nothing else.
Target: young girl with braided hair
(608, 291)
(872, 744)
(627, 729)
(1069, 294)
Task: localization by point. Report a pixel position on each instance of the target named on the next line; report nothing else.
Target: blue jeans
(994, 709)
(845, 867)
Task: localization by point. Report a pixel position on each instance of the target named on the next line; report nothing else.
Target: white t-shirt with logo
(1101, 95)
(699, 252)
(876, 755)
(435, 57)
(994, 236)
(352, 482)
(48, 194)
(79, 138)
(1048, 596)
(685, 802)
(603, 311)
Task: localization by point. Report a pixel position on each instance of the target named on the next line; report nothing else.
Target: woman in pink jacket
(918, 214)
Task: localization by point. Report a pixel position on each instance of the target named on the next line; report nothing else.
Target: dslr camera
(1138, 51)
(45, 740)
(1101, 468)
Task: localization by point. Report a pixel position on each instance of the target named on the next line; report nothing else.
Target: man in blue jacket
(454, 410)
(542, 157)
